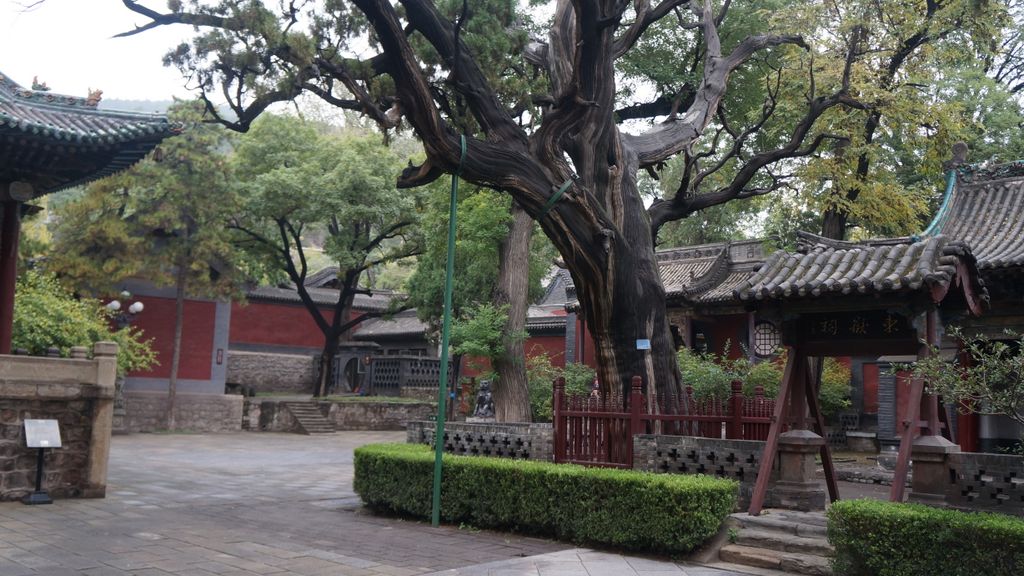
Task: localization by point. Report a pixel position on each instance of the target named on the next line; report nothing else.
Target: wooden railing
(598, 430)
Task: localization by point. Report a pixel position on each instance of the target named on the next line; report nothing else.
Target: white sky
(68, 44)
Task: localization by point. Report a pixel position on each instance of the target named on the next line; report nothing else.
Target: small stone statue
(484, 401)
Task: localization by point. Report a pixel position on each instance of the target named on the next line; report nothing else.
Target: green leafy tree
(297, 183)
(992, 381)
(47, 315)
(162, 220)
(497, 273)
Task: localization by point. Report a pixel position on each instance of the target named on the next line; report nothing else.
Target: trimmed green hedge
(874, 538)
(633, 510)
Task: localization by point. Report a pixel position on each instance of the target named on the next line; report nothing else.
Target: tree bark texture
(179, 320)
(511, 392)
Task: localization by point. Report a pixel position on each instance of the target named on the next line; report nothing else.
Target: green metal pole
(446, 326)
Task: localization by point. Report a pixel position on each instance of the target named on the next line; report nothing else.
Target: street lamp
(122, 319)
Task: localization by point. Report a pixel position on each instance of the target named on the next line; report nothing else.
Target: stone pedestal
(930, 473)
(797, 487)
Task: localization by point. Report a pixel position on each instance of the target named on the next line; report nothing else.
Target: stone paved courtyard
(250, 504)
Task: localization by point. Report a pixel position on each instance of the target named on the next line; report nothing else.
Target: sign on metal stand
(41, 434)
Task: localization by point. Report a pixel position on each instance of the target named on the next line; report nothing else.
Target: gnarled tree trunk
(512, 394)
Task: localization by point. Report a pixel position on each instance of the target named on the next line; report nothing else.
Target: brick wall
(734, 459)
(992, 482)
(524, 441)
(270, 372)
(147, 412)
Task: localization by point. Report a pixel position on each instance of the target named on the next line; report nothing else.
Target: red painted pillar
(9, 233)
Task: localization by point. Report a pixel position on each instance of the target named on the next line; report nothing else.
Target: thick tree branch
(690, 200)
(676, 134)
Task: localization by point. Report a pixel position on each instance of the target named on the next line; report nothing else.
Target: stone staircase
(309, 418)
(779, 542)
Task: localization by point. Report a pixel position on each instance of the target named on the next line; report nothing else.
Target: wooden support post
(819, 422)
(771, 446)
(734, 430)
(899, 478)
(9, 232)
(557, 405)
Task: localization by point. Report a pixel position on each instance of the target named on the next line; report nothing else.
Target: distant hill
(138, 106)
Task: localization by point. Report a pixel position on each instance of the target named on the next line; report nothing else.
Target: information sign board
(42, 434)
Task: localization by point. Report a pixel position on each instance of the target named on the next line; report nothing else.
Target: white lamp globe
(113, 305)
(136, 307)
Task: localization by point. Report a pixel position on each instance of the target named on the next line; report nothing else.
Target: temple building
(50, 142)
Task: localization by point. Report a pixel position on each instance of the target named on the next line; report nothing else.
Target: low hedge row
(874, 538)
(632, 510)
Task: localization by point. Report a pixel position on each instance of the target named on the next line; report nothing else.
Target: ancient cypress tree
(559, 152)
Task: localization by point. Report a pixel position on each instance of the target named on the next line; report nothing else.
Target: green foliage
(993, 381)
(482, 224)
(46, 314)
(711, 375)
(164, 214)
(662, 513)
(835, 387)
(478, 333)
(874, 538)
(541, 374)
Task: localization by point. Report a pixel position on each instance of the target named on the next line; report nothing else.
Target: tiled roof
(69, 119)
(885, 267)
(987, 212)
(378, 302)
(402, 325)
(56, 141)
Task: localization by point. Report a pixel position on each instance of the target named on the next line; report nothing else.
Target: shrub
(663, 513)
(709, 376)
(46, 314)
(835, 387)
(540, 374)
(874, 538)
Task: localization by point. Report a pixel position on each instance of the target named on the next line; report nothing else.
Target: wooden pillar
(9, 233)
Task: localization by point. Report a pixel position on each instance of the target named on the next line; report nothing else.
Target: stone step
(310, 419)
(743, 569)
(805, 524)
(788, 562)
(783, 542)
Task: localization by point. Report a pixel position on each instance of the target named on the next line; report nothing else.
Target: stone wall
(507, 440)
(78, 394)
(147, 412)
(271, 372)
(734, 459)
(992, 482)
(376, 415)
(268, 415)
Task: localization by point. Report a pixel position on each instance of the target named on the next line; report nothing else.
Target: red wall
(731, 330)
(157, 322)
(276, 324)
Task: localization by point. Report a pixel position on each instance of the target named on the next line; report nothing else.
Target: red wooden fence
(598, 430)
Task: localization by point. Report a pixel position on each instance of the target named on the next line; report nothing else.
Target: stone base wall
(271, 372)
(147, 412)
(268, 415)
(734, 459)
(79, 394)
(505, 440)
(991, 482)
(376, 415)
(64, 467)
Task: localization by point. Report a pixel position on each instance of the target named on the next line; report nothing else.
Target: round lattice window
(766, 339)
